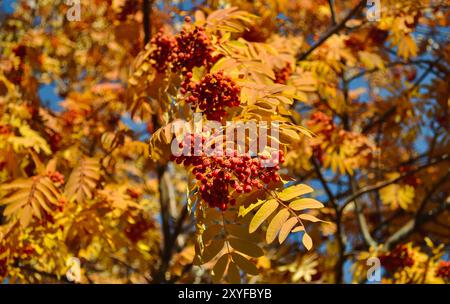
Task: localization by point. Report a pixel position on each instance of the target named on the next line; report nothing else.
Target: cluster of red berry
(400, 257)
(377, 36)
(162, 53)
(71, 117)
(55, 141)
(322, 124)
(282, 75)
(4, 130)
(134, 194)
(212, 94)
(189, 49)
(136, 231)
(28, 250)
(443, 270)
(354, 43)
(220, 174)
(56, 177)
(193, 49)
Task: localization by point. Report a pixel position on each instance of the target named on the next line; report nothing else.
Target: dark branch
(332, 31)
(146, 10)
(420, 218)
(387, 183)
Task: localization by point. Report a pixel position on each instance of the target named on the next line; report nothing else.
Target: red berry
(218, 175)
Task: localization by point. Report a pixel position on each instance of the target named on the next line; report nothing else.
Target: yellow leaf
(219, 268)
(262, 214)
(298, 229)
(233, 275)
(309, 217)
(25, 217)
(275, 225)
(294, 191)
(244, 264)
(305, 203)
(212, 250)
(307, 241)
(286, 229)
(245, 247)
(244, 211)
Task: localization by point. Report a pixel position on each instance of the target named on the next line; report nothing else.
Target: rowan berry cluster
(212, 94)
(443, 270)
(136, 231)
(400, 257)
(55, 141)
(193, 49)
(321, 124)
(4, 130)
(56, 177)
(224, 176)
(190, 48)
(282, 75)
(161, 55)
(134, 194)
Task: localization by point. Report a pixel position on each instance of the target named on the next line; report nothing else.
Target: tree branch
(392, 181)
(332, 31)
(339, 267)
(420, 218)
(333, 13)
(146, 10)
(363, 226)
(391, 110)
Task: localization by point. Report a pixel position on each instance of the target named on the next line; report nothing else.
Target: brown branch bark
(146, 10)
(364, 227)
(392, 110)
(387, 183)
(339, 267)
(333, 13)
(420, 218)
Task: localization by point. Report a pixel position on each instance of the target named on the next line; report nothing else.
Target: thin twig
(332, 31)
